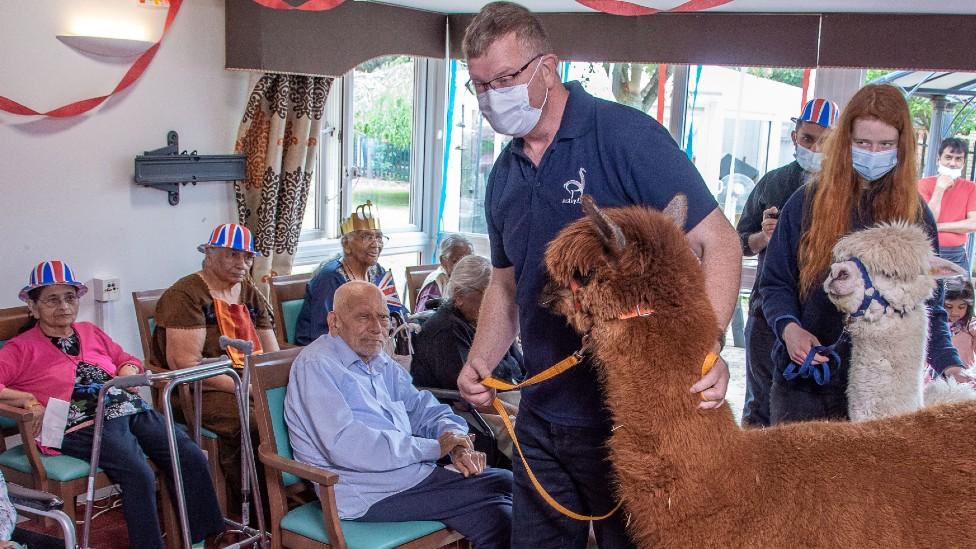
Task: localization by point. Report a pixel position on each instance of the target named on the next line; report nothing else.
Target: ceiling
(962, 7)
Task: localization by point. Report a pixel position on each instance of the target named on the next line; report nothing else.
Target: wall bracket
(166, 168)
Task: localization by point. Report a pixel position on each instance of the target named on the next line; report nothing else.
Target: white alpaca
(884, 298)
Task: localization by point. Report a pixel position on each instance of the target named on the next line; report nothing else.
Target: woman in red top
(56, 357)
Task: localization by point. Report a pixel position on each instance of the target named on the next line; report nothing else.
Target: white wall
(66, 187)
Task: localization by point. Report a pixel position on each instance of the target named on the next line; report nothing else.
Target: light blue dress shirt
(365, 422)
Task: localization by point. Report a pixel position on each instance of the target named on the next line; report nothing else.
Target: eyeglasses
(372, 236)
(54, 301)
(505, 81)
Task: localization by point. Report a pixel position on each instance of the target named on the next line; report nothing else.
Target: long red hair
(838, 191)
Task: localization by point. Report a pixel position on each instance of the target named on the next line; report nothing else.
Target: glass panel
(471, 154)
(397, 264)
(739, 120)
(383, 103)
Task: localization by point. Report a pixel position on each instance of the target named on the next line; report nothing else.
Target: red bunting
(310, 5)
(621, 7)
(85, 105)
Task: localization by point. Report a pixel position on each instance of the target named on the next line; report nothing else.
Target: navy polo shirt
(620, 157)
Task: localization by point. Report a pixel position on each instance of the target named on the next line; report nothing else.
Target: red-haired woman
(869, 176)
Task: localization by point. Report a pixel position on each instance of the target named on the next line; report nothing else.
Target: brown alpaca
(692, 478)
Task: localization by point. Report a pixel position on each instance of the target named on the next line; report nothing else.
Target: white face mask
(808, 160)
(953, 173)
(874, 165)
(509, 111)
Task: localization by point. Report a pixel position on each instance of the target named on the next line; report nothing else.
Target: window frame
(333, 168)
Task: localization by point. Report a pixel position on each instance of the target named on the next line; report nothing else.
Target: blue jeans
(126, 441)
(479, 507)
(573, 465)
(759, 371)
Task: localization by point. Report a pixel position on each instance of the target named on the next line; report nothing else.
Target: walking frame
(170, 380)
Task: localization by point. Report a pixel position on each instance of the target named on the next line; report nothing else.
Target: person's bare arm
(715, 241)
(964, 226)
(184, 349)
(497, 326)
(938, 191)
(269, 343)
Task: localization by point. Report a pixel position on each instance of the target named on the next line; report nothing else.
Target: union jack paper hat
(49, 273)
(230, 235)
(819, 111)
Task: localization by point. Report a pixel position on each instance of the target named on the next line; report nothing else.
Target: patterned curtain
(279, 134)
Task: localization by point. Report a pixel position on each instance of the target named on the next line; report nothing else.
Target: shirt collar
(578, 114)
(348, 358)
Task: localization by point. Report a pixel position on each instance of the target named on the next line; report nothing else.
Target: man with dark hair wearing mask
(567, 143)
(755, 228)
(952, 200)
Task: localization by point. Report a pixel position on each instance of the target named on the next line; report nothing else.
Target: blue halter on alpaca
(874, 295)
(821, 372)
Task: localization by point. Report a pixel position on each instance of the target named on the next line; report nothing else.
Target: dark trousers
(573, 465)
(126, 441)
(759, 371)
(479, 507)
(790, 402)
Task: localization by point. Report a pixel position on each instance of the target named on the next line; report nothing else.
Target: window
(738, 120)
(375, 146)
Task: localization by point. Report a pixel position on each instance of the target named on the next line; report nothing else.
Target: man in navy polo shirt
(566, 144)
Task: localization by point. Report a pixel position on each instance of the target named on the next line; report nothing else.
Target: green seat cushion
(276, 406)
(61, 468)
(2, 341)
(7, 423)
(290, 310)
(307, 521)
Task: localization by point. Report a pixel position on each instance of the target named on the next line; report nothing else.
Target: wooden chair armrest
(307, 472)
(17, 414)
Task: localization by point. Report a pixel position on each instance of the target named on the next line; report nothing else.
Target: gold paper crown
(362, 219)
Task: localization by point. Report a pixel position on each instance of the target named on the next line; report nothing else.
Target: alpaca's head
(613, 261)
(900, 263)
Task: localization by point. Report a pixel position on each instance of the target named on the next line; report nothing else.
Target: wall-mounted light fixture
(107, 38)
(106, 46)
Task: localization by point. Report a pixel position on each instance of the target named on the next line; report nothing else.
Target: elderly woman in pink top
(56, 357)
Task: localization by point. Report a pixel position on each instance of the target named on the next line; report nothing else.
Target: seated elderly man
(453, 248)
(192, 315)
(362, 242)
(352, 410)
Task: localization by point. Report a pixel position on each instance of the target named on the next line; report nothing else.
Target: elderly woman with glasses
(57, 358)
(362, 242)
(194, 312)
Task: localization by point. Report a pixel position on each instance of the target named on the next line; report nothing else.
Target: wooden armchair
(317, 523)
(145, 306)
(287, 298)
(415, 277)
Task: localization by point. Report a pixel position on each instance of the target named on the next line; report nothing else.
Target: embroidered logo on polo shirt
(575, 188)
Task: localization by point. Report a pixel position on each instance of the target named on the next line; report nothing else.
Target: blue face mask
(874, 165)
(808, 160)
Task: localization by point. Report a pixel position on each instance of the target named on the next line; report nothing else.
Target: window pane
(383, 100)
(397, 264)
(739, 120)
(471, 153)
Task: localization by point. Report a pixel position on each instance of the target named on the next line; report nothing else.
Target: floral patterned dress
(88, 382)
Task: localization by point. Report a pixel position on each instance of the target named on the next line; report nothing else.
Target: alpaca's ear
(610, 234)
(677, 209)
(941, 268)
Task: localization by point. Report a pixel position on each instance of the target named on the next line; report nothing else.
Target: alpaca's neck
(647, 380)
(887, 361)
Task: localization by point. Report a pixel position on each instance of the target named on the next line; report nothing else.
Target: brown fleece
(693, 478)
